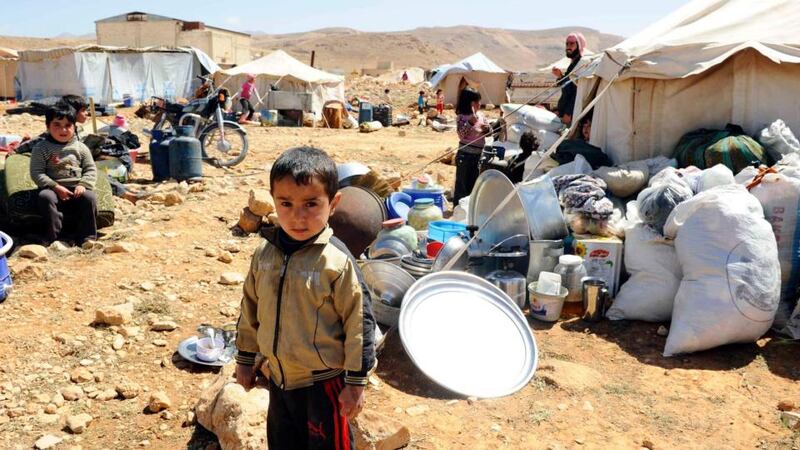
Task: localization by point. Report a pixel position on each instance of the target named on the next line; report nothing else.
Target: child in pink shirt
(472, 129)
(244, 98)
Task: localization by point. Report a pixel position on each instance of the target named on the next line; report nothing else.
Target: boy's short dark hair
(59, 112)
(386, 91)
(421, 92)
(303, 164)
(76, 102)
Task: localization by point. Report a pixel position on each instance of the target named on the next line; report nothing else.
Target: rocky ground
(89, 340)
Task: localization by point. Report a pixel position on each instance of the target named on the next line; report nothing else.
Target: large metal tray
(490, 190)
(467, 335)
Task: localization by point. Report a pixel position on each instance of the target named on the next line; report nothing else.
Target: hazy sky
(47, 18)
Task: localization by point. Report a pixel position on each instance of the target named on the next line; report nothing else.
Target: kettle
(512, 283)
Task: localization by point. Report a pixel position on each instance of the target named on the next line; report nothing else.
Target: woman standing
(472, 130)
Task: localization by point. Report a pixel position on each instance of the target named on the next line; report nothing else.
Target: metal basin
(388, 282)
(491, 188)
(545, 219)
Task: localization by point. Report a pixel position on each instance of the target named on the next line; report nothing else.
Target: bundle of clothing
(586, 206)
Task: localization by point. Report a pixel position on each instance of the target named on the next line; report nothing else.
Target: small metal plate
(388, 282)
(467, 335)
(188, 350)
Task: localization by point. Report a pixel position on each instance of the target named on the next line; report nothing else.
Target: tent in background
(288, 74)
(709, 63)
(476, 71)
(108, 73)
(8, 68)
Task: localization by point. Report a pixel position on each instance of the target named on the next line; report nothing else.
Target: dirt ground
(598, 386)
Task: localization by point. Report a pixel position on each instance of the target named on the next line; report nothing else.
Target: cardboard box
(602, 257)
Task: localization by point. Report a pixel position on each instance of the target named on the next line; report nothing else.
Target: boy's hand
(245, 376)
(62, 193)
(79, 190)
(351, 401)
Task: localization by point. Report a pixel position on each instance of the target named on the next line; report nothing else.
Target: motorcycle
(223, 142)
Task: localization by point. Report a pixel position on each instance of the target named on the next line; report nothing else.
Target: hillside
(347, 49)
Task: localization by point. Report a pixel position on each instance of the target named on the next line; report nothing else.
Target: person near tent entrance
(244, 98)
(472, 129)
(575, 46)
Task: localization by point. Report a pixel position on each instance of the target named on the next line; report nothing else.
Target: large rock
(249, 222)
(77, 424)
(114, 315)
(47, 441)
(33, 252)
(231, 278)
(159, 401)
(172, 199)
(81, 375)
(374, 431)
(260, 202)
(235, 416)
(569, 376)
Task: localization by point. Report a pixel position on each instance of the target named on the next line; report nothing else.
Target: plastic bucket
(398, 204)
(5, 274)
(442, 230)
(436, 194)
(127, 100)
(546, 308)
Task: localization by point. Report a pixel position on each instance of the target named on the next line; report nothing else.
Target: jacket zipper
(278, 318)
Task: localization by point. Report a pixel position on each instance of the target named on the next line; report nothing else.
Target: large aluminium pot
(358, 218)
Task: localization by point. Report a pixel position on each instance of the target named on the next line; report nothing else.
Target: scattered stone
(166, 415)
(417, 410)
(791, 420)
(86, 362)
(159, 401)
(225, 257)
(77, 424)
(47, 441)
(127, 389)
(164, 325)
(236, 416)
(129, 332)
(580, 440)
(375, 430)
(248, 221)
(587, 406)
(231, 246)
(58, 247)
(118, 342)
(50, 409)
(120, 247)
(114, 315)
(32, 251)
(648, 444)
(58, 399)
(260, 202)
(172, 199)
(147, 286)
(231, 278)
(786, 405)
(212, 252)
(189, 420)
(160, 343)
(81, 375)
(158, 197)
(107, 394)
(662, 330)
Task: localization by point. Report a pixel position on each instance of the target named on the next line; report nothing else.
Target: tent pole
(94, 116)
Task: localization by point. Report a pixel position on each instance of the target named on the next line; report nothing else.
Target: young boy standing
(63, 169)
(306, 309)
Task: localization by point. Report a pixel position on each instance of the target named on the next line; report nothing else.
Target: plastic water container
(185, 156)
(442, 230)
(159, 154)
(127, 100)
(6, 284)
(437, 194)
(365, 113)
(269, 117)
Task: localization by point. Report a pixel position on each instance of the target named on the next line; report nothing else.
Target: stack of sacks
(531, 118)
(779, 195)
(259, 205)
(778, 140)
(731, 273)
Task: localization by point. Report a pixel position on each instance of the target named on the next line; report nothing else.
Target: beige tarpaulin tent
(709, 63)
(8, 68)
(476, 71)
(288, 74)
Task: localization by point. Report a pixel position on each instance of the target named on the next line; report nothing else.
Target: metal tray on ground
(467, 335)
(188, 350)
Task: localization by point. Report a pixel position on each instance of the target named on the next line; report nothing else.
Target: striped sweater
(70, 164)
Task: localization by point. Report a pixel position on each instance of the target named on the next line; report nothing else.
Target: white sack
(514, 132)
(577, 166)
(731, 275)
(746, 175)
(534, 117)
(656, 203)
(529, 174)
(780, 197)
(779, 140)
(626, 179)
(715, 176)
(655, 275)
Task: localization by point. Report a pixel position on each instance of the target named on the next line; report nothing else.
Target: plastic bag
(716, 176)
(655, 275)
(778, 140)
(656, 203)
(731, 275)
(578, 166)
(534, 117)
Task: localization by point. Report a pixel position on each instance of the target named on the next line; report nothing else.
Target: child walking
(421, 102)
(244, 98)
(306, 309)
(472, 129)
(63, 169)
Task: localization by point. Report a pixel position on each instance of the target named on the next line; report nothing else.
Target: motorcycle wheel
(211, 143)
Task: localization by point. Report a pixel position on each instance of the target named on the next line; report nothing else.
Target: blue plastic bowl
(398, 204)
(442, 230)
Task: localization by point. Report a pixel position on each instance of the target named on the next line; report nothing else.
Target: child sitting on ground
(63, 169)
(306, 309)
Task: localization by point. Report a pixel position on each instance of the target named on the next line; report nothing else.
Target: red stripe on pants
(335, 403)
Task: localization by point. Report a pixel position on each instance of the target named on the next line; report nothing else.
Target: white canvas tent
(108, 73)
(288, 74)
(476, 71)
(8, 68)
(709, 63)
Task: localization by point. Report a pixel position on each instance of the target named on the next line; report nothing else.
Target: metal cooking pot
(512, 283)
